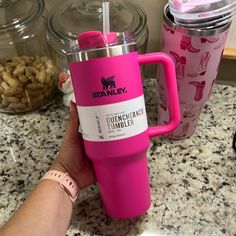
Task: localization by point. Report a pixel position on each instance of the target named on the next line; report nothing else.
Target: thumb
(73, 123)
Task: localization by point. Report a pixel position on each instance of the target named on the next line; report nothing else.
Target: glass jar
(27, 74)
(67, 19)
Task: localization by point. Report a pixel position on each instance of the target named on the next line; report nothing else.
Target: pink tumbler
(109, 95)
(197, 55)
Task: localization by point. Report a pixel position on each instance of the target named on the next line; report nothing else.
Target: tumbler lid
(202, 14)
(95, 44)
(96, 39)
(171, 22)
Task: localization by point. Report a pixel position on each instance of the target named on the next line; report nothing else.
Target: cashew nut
(11, 81)
(42, 76)
(20, 69)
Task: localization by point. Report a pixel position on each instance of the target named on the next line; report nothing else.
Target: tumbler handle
(171, 88)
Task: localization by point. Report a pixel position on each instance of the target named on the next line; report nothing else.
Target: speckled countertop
(193, 182)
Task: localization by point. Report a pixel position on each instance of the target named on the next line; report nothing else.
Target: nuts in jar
(26, 83)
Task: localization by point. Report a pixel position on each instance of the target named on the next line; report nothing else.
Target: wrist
(57, 165)
(53, 188)
(64, 181)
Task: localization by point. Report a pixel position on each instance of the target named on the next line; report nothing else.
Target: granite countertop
(193, 181)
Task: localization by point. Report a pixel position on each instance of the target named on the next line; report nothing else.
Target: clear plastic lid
(95, 44)
(202, 14)
(93, 40)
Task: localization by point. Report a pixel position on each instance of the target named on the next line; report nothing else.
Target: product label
(114, 121)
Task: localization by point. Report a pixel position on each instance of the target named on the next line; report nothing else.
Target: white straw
(106, 16)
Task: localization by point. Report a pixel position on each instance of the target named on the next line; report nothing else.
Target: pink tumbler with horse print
(108, 89)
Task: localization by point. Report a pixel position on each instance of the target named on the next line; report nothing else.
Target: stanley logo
(109, 88)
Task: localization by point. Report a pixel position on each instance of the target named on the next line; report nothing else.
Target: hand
(71, 157)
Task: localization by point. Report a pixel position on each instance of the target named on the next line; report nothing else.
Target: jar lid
(67, 20)
(14, 13)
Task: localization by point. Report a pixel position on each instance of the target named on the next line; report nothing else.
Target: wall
(231, 41)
